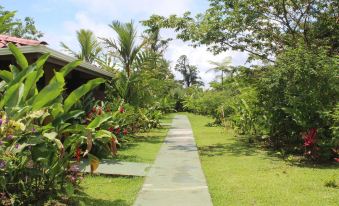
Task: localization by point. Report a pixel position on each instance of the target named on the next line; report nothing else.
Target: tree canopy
(17, 27)
(263, 28)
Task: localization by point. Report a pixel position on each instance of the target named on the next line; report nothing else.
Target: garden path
(176, 177)
(113, 167)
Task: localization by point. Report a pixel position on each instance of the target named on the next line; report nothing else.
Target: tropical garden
(258, 128)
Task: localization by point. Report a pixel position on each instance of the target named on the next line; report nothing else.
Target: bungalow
(33, 49)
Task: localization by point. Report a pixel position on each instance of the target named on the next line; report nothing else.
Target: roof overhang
(40, 49)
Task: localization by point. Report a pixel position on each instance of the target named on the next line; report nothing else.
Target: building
(33, 49)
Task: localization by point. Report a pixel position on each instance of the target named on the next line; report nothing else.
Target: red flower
(78, 154)
(94, 109)
(121, 109)
(117, 131)
(111, 129)
(125, 132)
(309, 137)
(336, 159)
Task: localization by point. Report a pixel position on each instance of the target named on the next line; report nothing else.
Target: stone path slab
(113, 167)
(176, 178)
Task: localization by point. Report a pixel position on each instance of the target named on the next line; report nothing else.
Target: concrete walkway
(113, 167)
(176, 178)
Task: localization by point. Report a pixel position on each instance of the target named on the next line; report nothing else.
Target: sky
(60, 19)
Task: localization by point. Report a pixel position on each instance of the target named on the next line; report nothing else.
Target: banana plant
(22, 98)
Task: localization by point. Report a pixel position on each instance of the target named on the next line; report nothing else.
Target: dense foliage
(40, 131)
(16, 27)
(262, 28)
(45, 133)
(290, 99)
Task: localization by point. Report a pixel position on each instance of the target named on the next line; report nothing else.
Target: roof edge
(57, 55)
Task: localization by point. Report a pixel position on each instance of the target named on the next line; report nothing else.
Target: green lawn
(144, 147)
(238, 174)
(122, 191)
(107, 191)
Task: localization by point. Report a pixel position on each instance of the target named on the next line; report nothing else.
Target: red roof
(5, 39)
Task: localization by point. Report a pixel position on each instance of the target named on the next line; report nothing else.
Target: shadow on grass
(239, 147)
(83, 199)
(298, 160)
(154, 137)
(94, 202)
(135, 141)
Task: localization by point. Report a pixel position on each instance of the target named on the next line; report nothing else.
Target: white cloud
(81, 20)
(84, 21)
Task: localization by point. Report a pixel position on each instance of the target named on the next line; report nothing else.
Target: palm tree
(125, 47)
(224, 67)
(89, 46)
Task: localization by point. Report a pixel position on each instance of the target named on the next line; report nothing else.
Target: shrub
(294, 94)
(40, 132)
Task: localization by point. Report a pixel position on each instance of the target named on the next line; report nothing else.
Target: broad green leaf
(102, 134)
(49, 92)
(20, 58)
(22, 75)
(99, 120)
(57, 109)
(52, 136)
(32, 78)
(6, 23)
(68, 115)
(80, 92)
(15, 71)
(75, 128)
(12, 96)
(29, 83)
(69, 67)
(20, 112)
(2, 86)
(6, 75)
(72, 115)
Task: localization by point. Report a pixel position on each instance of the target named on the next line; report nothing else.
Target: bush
(295, 93)
(40, 132)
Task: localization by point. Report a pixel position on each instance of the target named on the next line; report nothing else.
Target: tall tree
(16, 27)
(125, 47)
(154, 40)
(89, 46)
(5, 25)
(224, 67)
(263, 28)
(189, 72)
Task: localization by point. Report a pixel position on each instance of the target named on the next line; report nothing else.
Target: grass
(144, 147)
(122, 191)
(241, 174)
(107, 191)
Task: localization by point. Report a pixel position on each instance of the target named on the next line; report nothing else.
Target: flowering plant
(39, 131)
